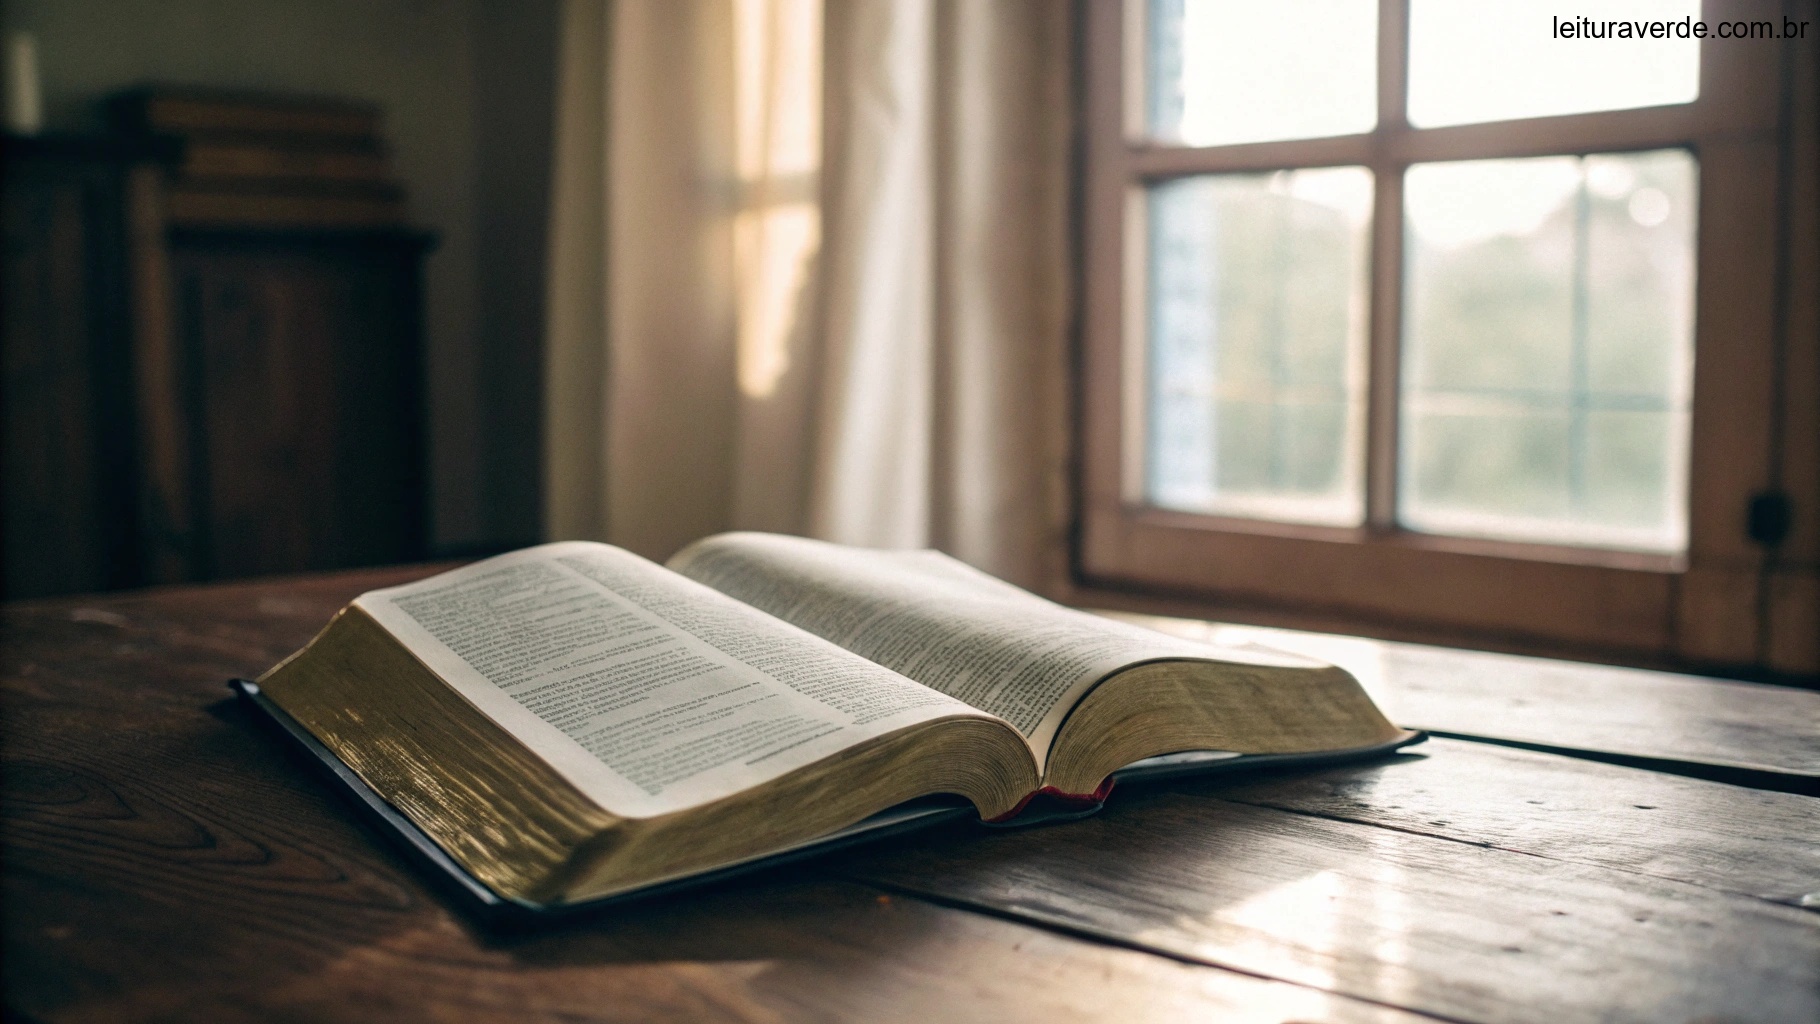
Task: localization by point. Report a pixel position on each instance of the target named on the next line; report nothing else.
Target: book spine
(305, 189)
(1052, 804)
(228, 209)
(251, 162)
(185, 116)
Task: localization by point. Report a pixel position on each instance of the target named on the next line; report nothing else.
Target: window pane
(1548, 348)
(1227, 71)
(1257, 321)
(1493, 60)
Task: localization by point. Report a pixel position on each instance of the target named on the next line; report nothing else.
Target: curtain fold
(575, 349)
(809, 274)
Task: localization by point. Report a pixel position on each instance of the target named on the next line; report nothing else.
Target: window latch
(1770, 515)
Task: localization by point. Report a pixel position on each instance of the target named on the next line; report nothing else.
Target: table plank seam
(1113, 939)
(1484, 845)
(1729, 774)
(1030, 899)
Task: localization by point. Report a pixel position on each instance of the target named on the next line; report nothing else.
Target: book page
(648, 691)
(942, 623)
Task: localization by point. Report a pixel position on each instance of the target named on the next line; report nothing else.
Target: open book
(570, 722)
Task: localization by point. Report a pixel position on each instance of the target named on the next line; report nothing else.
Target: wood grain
(1445, 927)
(1596, 708)
(163, 861)
(1727, 838)
(302, 355)
(336, 946)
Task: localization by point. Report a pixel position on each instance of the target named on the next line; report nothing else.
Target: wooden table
(164, 861)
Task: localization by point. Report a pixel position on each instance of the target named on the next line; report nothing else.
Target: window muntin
(1254, 412)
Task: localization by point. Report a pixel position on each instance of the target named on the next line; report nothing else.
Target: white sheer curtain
(810, 275)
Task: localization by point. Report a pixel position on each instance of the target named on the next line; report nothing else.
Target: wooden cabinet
(186, 402)
(298, 366)
(68, 315)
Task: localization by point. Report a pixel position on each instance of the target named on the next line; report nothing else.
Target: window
(1440, 315)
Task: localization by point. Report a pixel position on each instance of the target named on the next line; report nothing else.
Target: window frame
(1704, 607)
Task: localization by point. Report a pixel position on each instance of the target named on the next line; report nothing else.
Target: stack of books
(257, 160)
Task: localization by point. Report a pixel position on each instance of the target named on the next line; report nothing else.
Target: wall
(466, 86)
(515, 82)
